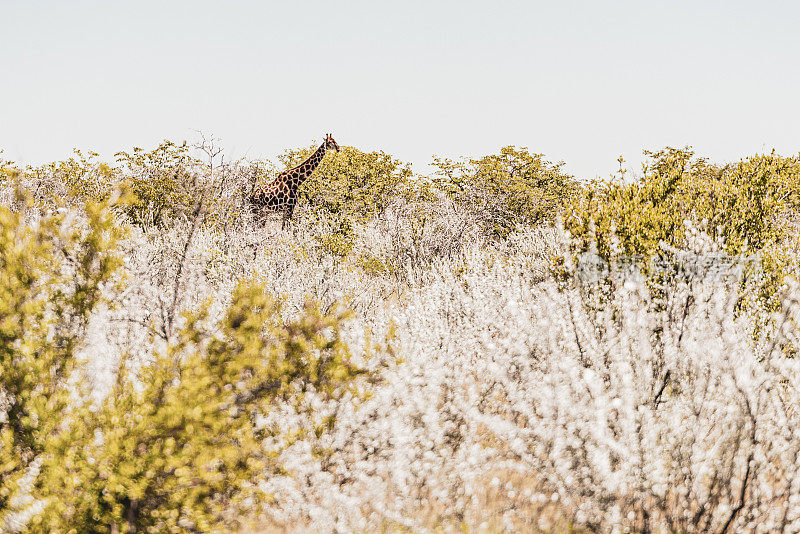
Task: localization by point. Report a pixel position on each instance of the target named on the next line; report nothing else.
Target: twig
(657, 398)
(742, 492)
(740, 505)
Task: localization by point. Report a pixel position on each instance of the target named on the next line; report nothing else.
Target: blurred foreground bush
(51, 276)
(177, 444)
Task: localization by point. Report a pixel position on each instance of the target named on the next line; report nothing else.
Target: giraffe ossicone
(280, 195)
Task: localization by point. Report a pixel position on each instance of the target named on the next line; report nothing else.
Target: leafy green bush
(50, 280)
(8, 171)
(164, 182)
(85, 177)
(351, 183)
(506, 189)
(747, 204)
(81, 178)
(348, 188)
(176, 445)
(334, 234)
(182, 452)
(744, 202)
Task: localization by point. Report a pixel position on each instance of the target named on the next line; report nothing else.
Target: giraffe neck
(313, 161)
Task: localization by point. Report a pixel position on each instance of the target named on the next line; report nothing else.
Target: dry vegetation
(497, 347)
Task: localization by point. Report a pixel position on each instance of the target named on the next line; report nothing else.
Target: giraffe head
(330, 143)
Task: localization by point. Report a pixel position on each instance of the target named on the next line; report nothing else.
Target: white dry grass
(516, 402)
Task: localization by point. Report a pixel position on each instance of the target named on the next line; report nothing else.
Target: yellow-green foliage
(351, 183)
(81, 178)
(747, 203)
(85, 177)
(348, 187)
(175, 446)
(374, 266)
(8, 171)
(183, 451)
(164, 182)
(50, 280)
(506, 189)
(335, 234)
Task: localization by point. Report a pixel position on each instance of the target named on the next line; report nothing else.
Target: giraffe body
(280, 195)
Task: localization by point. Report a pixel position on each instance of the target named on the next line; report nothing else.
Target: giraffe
(280, 195)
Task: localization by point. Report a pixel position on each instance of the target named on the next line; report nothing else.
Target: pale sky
(580, 81)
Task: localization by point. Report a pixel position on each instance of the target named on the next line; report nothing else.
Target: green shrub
(348, 188)
(176, 445)
(374, 266)
(74, 181)
(50, 281)
(86, 178)
(164, 182)
(8, 171)
(506, 189)
(744, 202)
(182, 453)
(351, 183)
(747, 204)
(335, 235)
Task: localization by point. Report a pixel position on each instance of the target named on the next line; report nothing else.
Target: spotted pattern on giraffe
(280, 195)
